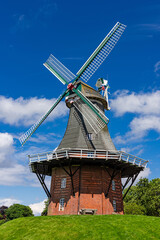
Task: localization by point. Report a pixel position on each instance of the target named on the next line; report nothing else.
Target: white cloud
(26, 112)
(6, 148)
(15, 175)
(8, 202)
(14, 169)
(144, 174)
(37, 208)
(142, 103)
(147, 110)
(136, 150)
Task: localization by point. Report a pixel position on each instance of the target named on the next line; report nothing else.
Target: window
(113, 185)
(63, 183)
(90, 137)
(61, 204)
(114, 206)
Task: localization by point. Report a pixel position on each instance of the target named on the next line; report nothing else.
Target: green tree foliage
(17, 211)
(146, 195)
(45, 210)
(134, 209)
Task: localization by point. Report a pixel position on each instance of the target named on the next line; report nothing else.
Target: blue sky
(71, 30)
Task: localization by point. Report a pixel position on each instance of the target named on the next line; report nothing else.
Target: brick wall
(90, 186)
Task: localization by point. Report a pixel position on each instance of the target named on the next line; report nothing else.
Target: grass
(82, 227)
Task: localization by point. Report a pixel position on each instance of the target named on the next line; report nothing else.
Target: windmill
(86, 168)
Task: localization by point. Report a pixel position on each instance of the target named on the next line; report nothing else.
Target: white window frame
(114, 205)
(61, 204)
(90, 136)
(113, 185)
(63, 182)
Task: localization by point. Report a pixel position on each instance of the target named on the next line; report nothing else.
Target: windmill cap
(89, 92)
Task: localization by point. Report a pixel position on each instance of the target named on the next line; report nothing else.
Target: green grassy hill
(82, 227)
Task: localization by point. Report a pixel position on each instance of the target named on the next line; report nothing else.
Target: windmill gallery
(86, 169)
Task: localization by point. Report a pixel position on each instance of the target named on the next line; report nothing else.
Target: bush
(17, 211)
(2, 221)
(134, 209)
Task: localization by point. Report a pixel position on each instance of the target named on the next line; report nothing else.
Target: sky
(71, 30)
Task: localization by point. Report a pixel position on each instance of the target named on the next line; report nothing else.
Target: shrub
(134, 209)
(17, 211)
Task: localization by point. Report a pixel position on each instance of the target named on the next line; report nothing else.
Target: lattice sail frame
(101, 52)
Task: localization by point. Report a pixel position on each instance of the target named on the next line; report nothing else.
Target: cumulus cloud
(142, 103)
(26, 112)
(146, 110)
(17, 175)
(8, 202)
(37, 208)
(144, 174)
(6, 148)
(14, 169)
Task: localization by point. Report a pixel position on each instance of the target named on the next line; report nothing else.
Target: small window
(114, 206)
(61, 204)
(63, 183)
(113, 185)
(90, 137)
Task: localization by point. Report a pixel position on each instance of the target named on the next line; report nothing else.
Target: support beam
(71, 176)
(76, 170)
(127, 181)
(63, 168)
(112, 176)
(41, 178)
(114, 173)
(133, 180)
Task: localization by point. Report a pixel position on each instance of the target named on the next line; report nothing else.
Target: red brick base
(90, 186)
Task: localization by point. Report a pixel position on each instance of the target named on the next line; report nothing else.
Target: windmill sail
(92, 107)
(59, 70)
(101, 52)
(94, 121)
(29, 133)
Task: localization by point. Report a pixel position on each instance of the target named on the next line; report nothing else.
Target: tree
(45, 210)
(145, 194)
(134, 209)
(17, 211)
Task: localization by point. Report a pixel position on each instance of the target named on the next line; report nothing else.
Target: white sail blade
(93, 120)
(59, 70)
(101, 52)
